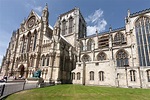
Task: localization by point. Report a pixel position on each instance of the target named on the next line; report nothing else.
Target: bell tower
(72, 26)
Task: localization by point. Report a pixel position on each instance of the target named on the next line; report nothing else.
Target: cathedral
(65, 54)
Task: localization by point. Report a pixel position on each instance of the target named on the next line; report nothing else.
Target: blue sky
(99, 14)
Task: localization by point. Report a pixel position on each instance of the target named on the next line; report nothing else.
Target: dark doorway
(21, 70)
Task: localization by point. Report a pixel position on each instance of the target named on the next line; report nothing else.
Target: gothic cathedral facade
(64, 53)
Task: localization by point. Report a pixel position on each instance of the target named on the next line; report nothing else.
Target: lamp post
(84, 73)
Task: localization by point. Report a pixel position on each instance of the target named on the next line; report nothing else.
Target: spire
(45, 14)
(110, 28)
(45, 11)
(128, 12)
(46, 7)
(96, 32)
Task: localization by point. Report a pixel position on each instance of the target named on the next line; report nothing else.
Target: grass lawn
(79, 92)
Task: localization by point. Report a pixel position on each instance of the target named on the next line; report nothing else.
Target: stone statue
(37, 74)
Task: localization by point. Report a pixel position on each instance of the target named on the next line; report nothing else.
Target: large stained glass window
(101, 56)
(122, 58)
(142, 28)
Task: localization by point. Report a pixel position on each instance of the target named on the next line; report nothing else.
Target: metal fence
(7, 89)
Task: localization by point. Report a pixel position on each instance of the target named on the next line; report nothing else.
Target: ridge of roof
(68, 12)
(140, 12)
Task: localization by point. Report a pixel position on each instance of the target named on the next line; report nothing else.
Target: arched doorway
(21, 68)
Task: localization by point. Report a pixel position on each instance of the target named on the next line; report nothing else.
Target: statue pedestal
(35, 80)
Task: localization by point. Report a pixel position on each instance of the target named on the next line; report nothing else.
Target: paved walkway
(8, 83)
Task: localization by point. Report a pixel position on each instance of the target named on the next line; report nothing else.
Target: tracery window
(132, 75)
(63, 27)
(78, 76)
(148, 75)
(119, 38)
(101, 76)
(101, 56)
(81, 46)
(86, 58)
(90, 44)
(35, 39)
(142, 28)
(29, 42)
(70, 25)
(122, 58)
(91, 75)
(23, 44)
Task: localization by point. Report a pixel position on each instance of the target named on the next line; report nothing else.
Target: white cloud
(96, 22)
(38, 8)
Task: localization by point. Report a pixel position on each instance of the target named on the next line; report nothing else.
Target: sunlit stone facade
(119, 57)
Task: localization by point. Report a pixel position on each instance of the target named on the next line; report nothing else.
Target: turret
(45, 15)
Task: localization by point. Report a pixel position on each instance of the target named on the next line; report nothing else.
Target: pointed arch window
(119, 38)
(122, 58)
(90, 44)
(142, 28)
(23, 44)
(63, 27)
(101, 56)
(35, 39)
(91, 75)
(70, 25)
(81, 46)
(101, 75)
(29, 41)
(148, 75)
(78, 76)
(86, 58)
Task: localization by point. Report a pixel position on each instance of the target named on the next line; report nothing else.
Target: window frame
(122, 58)
(101, 56)
(101, 75)
(132, 75)
(91, 75)
(78, 75)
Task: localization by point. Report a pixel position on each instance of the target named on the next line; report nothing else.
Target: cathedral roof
(140, 12)
(50, 27)
(64, 39)
(68, 12)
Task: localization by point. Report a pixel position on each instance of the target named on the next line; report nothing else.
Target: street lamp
(84, 73)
